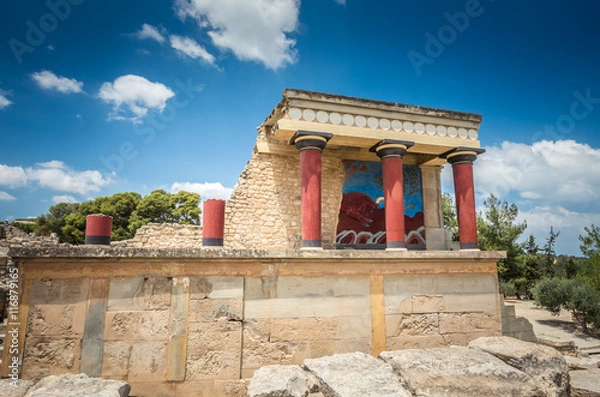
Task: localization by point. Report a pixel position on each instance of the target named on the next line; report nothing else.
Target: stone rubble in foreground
(490, 366)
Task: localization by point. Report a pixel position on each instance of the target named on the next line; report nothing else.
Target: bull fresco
(362, 214)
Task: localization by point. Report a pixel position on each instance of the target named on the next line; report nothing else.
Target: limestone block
(354, 327)
(585, 383)
(233, 388)
(412, 324)
(121, 325)
(115, 359)
(152, 325)
(148, 361)
(216, 335)
(9, 388)
(211, 310)
(45, 356)
(214, 350)
(303, 329)
(216, 288)
(299, 287)
(472, 302)
(126, 294)
(259, 350)
(260, 288)
(544, 364)
(279, 380)
(350, 345)
(458, 371)
(76, 385)
(56, 320)
(59, 291)
(157, 293)
(423, 304)
(415, 342)
(154, 389)
(469, 322)
(355, 374)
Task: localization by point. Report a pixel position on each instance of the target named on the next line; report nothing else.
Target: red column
(391, 152)
(462, 170)
(311, 145)
(310, 182)
(97, 229)
(393, 193)
(213, 223)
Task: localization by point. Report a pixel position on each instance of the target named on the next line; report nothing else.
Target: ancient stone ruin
(332, 242)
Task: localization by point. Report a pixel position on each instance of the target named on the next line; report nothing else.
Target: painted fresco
(362, 214)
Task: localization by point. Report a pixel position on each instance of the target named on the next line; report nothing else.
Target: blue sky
(136, 95)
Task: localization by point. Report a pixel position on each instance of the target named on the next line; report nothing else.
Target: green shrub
(507, 288)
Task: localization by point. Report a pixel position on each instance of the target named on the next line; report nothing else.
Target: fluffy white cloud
(206, 190)
(54, 175)
(64, 199)
(4, 101)
(6, 197)
(191, 48)
(49, 81)
(255, 30)
(552, 171)
(12, 176)
(149, 32)
(136, 93)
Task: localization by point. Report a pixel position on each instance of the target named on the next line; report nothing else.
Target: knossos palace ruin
(332, 242)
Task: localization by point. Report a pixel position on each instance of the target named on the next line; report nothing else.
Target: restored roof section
(358, 124)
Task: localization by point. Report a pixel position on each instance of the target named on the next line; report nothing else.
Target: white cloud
(555, 172)
(342, 2)
(206, 190)
(191, 48)
(54, 175)
(149, 32)
(64, 199)
(6, 197)
(4, 101)
(49, 81)
(255, 30)
(137, 93)
(570, 224)
(12, 176)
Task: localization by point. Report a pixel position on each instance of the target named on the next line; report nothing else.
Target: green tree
(162, 207)
(549, 254)
(449, 213)
(55, 219)
(499, 231)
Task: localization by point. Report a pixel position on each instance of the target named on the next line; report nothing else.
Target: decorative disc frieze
(381, 123)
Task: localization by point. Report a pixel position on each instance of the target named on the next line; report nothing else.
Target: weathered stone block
(148, 361)
(212, 310)
(121, 325)
(216, 288)
(152, 325)
(59, 292)
(463, 322)
(126, 294)
(354, 327)
(310, 287)
(115, 359)
(279, 380)
(412, 324)
(355, 374)
(45, 356)
(303, 329)
(76, 385)
(56, 320)
(458, 371)
(415, 342)
(544, 364)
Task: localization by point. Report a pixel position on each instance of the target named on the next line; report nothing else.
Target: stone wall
(201, 322)
(264, 208)
(164, 235)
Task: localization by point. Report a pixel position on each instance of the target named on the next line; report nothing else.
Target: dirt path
(556, 328)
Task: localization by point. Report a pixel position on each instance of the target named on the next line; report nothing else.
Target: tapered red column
(311, 145)
(213, 224)
(391, 152)
(462, 169)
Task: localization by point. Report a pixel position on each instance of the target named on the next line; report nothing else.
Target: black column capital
(310, 140)
(462, 154)
(391, 148)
